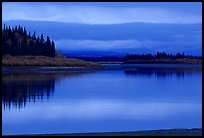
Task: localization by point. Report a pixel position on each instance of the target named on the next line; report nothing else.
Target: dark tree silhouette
(17, 42)
(52, 49)
(158, 55)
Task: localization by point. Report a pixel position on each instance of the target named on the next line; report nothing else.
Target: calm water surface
(130, 98)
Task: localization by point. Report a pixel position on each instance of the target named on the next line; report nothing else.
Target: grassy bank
(43, 61)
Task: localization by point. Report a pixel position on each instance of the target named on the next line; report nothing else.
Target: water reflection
(161, 71)
(104, 100)
(19, 88)
(107, 108)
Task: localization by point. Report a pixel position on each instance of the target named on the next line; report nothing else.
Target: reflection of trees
(161, 72)
(19, 88)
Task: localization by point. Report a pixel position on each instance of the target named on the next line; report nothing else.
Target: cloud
(75, 44)
(96, 14)
(132, 45)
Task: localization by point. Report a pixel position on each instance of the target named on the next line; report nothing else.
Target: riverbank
(43, 61)
(61, 62)
(165, 132)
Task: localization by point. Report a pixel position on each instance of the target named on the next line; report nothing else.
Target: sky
(95, 38)
(105, 12)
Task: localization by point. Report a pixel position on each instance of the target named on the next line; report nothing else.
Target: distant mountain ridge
(136, 30)
(119, 38)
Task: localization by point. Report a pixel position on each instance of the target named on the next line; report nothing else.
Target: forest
(139, 57)
(17, 42)
(157, 56)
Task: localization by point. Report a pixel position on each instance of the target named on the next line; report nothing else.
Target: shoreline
(8, 69)
(60, 61)
(43, 61)
(162, 132)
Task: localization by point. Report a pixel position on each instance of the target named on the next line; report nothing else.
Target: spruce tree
(16, 41)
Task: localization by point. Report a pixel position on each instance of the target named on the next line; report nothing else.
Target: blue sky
(169, 38)
(105, 12)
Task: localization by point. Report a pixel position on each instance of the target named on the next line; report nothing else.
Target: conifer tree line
(17, 42)
(158, 55)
